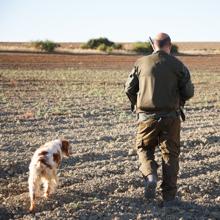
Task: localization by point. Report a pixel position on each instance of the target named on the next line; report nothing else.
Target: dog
(43, 168)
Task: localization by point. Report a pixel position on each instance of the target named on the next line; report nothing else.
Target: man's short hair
(162, 43)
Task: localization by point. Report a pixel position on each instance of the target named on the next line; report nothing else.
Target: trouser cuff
(145, 172)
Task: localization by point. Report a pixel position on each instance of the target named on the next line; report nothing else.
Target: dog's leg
(47, 187)
(55, 180)
(51, 183)
(33, 190)
(32, 206)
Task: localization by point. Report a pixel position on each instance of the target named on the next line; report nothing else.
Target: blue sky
(119, 20)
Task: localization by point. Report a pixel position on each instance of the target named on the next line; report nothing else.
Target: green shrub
(145, 48)
(109, 49)
(102, 44)
(174, 48)
(102, 47)
(47, 45)
(95, 43)
(142, 47)
(117, 46)
(84, 46)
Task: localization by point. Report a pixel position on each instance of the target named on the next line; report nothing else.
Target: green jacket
(158, 83)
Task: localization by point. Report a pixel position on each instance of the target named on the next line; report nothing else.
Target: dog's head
(65, 148)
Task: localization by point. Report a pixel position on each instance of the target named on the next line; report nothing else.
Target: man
(157, 86)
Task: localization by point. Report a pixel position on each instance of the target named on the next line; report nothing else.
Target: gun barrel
(151, 43)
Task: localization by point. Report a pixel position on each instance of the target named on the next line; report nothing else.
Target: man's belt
(143, 116)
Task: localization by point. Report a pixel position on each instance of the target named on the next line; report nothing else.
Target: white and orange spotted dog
(43, 168)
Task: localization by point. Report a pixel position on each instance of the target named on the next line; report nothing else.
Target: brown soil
(94, 61)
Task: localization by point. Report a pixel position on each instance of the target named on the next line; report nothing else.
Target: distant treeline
(101, 44)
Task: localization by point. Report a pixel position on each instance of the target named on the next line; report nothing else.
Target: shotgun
(151, 43)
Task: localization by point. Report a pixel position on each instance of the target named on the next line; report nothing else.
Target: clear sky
(119, 20)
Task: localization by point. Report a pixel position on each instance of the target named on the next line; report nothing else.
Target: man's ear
(65, 147)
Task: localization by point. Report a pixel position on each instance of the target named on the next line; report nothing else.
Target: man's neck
(161, 49)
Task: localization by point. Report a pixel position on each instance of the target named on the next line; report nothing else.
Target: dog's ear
(65, 147)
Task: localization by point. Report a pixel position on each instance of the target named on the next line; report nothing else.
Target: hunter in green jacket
(156, 87)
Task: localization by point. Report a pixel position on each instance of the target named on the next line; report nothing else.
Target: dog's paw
(32, 207)
(46, 195)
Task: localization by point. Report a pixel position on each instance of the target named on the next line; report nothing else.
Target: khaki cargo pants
(166, 133)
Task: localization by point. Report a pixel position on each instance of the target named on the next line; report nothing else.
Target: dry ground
(87, 105)
(208, 63)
